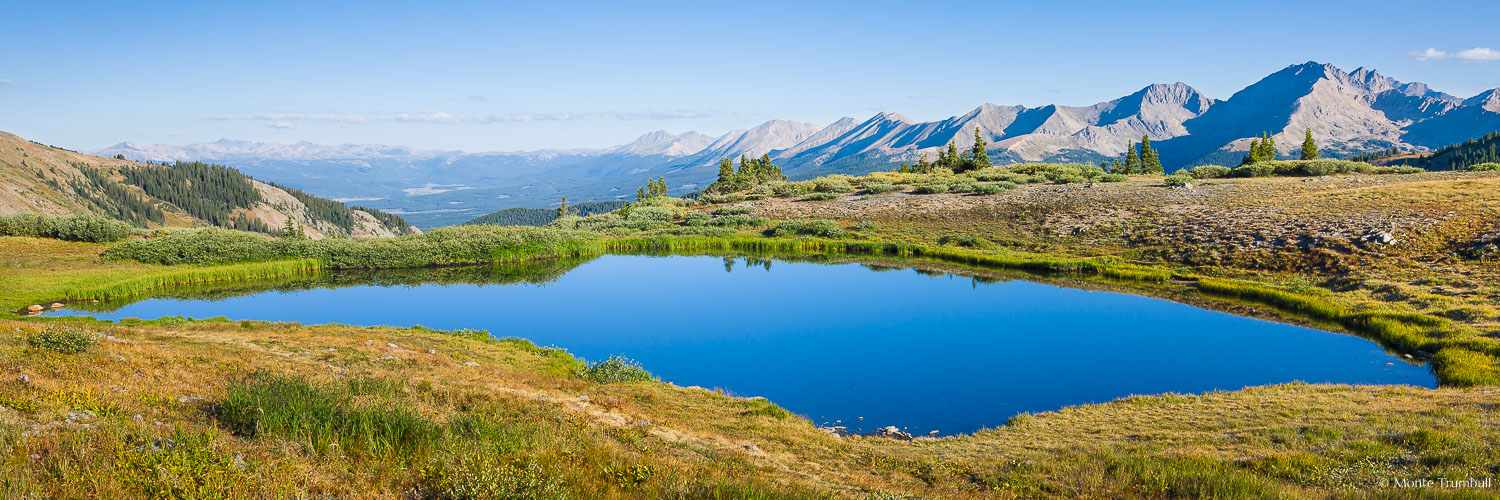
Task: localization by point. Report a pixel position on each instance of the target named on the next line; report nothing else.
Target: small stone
(34, 308)
(470, 363)
(187, 400)
(752, 448)
(932, 433)
(24, 378)
(432, 351)
(392, 346)
(56, 305)
(583, 398)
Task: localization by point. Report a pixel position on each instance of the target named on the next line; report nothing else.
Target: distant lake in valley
(842, 341)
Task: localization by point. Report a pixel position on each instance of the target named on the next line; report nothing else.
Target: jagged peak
(1489, 100)
(891, 117)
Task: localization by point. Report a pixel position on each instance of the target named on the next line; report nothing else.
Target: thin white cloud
(289, 117)
(478, 98)
(1476, 54)
(286, 120)
(283, 125)
(918, 96)
(4, 82)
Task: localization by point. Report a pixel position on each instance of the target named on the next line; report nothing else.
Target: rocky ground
(1350, 216)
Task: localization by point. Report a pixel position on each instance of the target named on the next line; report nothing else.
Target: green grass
(1462, 359)
(122, 287)
(323, 418)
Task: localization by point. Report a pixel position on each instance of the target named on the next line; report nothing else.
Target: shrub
(1405, 170)
(63, 339)
(1483, 167)
(1253, 170)
(962, 187)
(87, 228)
(821, 197)
(649, 214)
(791, 189)
(735, 210)
(1209, 172)
(615, 369)
(1114, 178)
(738, 220)
(988, 174)
(877, 187)
(1177, 180)
(695, 219)
(989, 188)
(931, 189)
(821, 227)
(832, 185)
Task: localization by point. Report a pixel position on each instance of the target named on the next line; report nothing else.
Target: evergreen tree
(291, 231)
(1268, 144)
(1132, 162)
(1150, 163)
(562, 210)
(923, 166)
(640, 194)
(1309, 147)
(726, 172)
(1254, 153)
(980, 157)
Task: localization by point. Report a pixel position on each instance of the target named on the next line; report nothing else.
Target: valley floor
(204, 409)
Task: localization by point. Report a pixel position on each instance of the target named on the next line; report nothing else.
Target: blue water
(838, 342)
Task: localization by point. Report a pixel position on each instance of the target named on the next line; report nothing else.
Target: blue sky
(488, 76)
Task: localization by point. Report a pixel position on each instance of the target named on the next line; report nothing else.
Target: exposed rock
(470, 363)
(56, 305)
(187, 400)
(35, 308)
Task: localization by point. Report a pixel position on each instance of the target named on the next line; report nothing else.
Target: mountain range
(1349, 113)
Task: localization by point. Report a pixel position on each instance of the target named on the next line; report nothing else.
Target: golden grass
(1291, 440)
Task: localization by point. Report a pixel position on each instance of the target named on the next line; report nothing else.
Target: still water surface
(838, 342)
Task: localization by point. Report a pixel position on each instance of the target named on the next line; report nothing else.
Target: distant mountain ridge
(1348, 112)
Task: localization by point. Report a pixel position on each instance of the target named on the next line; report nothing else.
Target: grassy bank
(264, 410)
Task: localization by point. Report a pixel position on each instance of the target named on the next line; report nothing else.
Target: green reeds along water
(116, 288)
(1462, 357)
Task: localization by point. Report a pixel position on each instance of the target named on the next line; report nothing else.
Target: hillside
(51, 181)
(1471, 152)
(520, 216)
